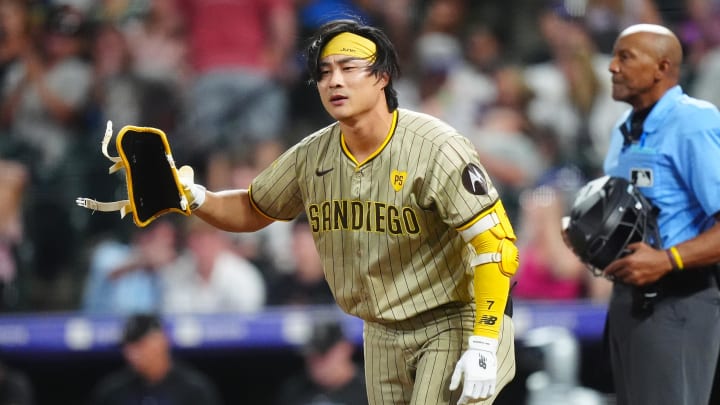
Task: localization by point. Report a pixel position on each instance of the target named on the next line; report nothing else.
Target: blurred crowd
(225, 81)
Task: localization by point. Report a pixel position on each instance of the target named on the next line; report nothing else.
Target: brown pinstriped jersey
(386, 228)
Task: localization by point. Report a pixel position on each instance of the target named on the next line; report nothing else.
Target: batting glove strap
(477, 368)
(482, 343)
(195, 193)
(198, 196)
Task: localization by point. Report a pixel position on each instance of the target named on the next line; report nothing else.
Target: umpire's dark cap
(324, 336)
(138, 326)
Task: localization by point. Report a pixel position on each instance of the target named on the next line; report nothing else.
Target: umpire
(668, 144)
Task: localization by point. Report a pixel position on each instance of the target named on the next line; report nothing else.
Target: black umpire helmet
(610, 213)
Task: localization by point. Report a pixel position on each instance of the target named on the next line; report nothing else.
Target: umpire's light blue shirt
(676, 163)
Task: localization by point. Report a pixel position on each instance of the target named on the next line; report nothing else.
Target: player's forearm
(231, 211)
(491, 295)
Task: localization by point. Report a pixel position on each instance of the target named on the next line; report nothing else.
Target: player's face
(347, 87)
(634, 68)
(148, 354)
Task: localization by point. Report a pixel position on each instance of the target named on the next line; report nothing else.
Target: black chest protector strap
(153, 182)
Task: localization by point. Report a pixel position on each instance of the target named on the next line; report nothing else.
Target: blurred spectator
(15, 387)
(46, 90)
(444, 84)
(305, 283)
(314, 13)
(700, 36)
(14, 32)
(513, 91)
(153, 376)
(699, 29)
(509, 146)
(508, 153)
(240, 53)
(485, 51)
(397, 18)
(267, 249)
(117, 90)
(605, 19)
(696, 23)
(44, 93)
(706, 83)
(331, 377)
(444, 16)
(158, 44)
(211, 277)
(572, 90)
(13, 180)
(120, 12)
(124, 278)
(82, 6)
(548, 269)
(453, 75)
(116, 95)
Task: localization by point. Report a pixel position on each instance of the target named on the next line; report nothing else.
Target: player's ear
(383, 79)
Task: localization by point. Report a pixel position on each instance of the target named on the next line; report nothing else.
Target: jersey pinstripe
(385, 228)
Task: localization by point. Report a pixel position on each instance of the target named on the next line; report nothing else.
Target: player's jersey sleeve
(459, 187)
(275, 192)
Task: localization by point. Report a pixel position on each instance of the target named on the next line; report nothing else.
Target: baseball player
(413, 237)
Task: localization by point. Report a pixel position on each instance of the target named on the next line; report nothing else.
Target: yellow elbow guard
(492, 236)
(505, 254)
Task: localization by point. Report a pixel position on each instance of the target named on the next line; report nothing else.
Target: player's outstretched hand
(195, 193)
(478, 369)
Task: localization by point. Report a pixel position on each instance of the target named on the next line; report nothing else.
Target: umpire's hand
(479, 367)
(644, 265)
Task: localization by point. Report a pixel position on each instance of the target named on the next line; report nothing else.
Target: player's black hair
(139, 325)
(386, 58)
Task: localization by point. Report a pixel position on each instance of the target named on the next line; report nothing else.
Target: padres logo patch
(474, 180)
(397, 179)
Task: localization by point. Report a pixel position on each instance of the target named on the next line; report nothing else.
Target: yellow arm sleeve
(492, 237)
(491, 295)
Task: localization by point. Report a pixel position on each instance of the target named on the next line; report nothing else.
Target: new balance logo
(488, 320)
(319, 172)
(482, 362)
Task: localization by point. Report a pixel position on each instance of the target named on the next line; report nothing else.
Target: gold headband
(350, 44)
